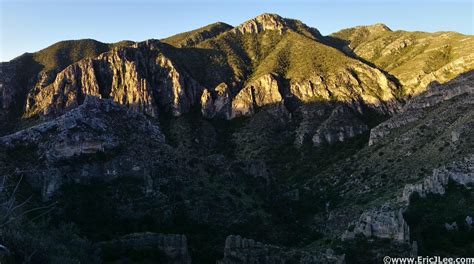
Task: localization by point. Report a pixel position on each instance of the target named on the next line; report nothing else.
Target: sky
(30, 25)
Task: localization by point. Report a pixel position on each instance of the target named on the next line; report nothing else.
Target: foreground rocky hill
(261, 143)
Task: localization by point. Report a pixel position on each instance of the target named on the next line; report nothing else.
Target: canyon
(261, 143)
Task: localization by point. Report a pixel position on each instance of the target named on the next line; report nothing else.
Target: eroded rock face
(173, 247)
(274, 22)
(461, 172)
(356, 85)
(384, 222)
(419, 106)
(97, 127)
(387, 221)
(140, 77)
(242, 250)
(332, 105)
(261, 23)
(328, 123)
(263, 91)
(341, 125)
(218, 103)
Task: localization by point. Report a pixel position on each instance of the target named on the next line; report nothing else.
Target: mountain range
(261, 143)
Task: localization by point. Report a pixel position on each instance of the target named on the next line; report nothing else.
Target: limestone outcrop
(261, 92)
(328, 123)
(242, 250)
(140, 77)
(275, 22)
(384, 222)
(356, 86)
(261, 23)
(460, 172)
(217, 103)
(387, 221)
(339, 126)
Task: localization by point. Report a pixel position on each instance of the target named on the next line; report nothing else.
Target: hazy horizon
(29, 26)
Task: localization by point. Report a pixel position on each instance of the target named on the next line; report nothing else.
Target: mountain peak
(269, 17)
(378, 27)
(265, 21)
(269, 21)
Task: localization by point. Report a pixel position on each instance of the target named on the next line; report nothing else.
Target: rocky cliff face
(328, 124)
(387, 221)
(276, 23)
(460, 172)
(217, 103)
(338, 116)
(140, 77)
(340, 125)
(261, 23)
(356, 85)
(25, 76)
(263, 91)
(339, 121)
(420, 105)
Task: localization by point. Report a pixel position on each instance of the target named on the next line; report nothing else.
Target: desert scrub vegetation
(193, 37)
(27, 237)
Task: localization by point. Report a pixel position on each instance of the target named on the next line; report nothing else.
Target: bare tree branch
(9, 208)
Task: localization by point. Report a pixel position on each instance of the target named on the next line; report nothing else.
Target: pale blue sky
(30, 25)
